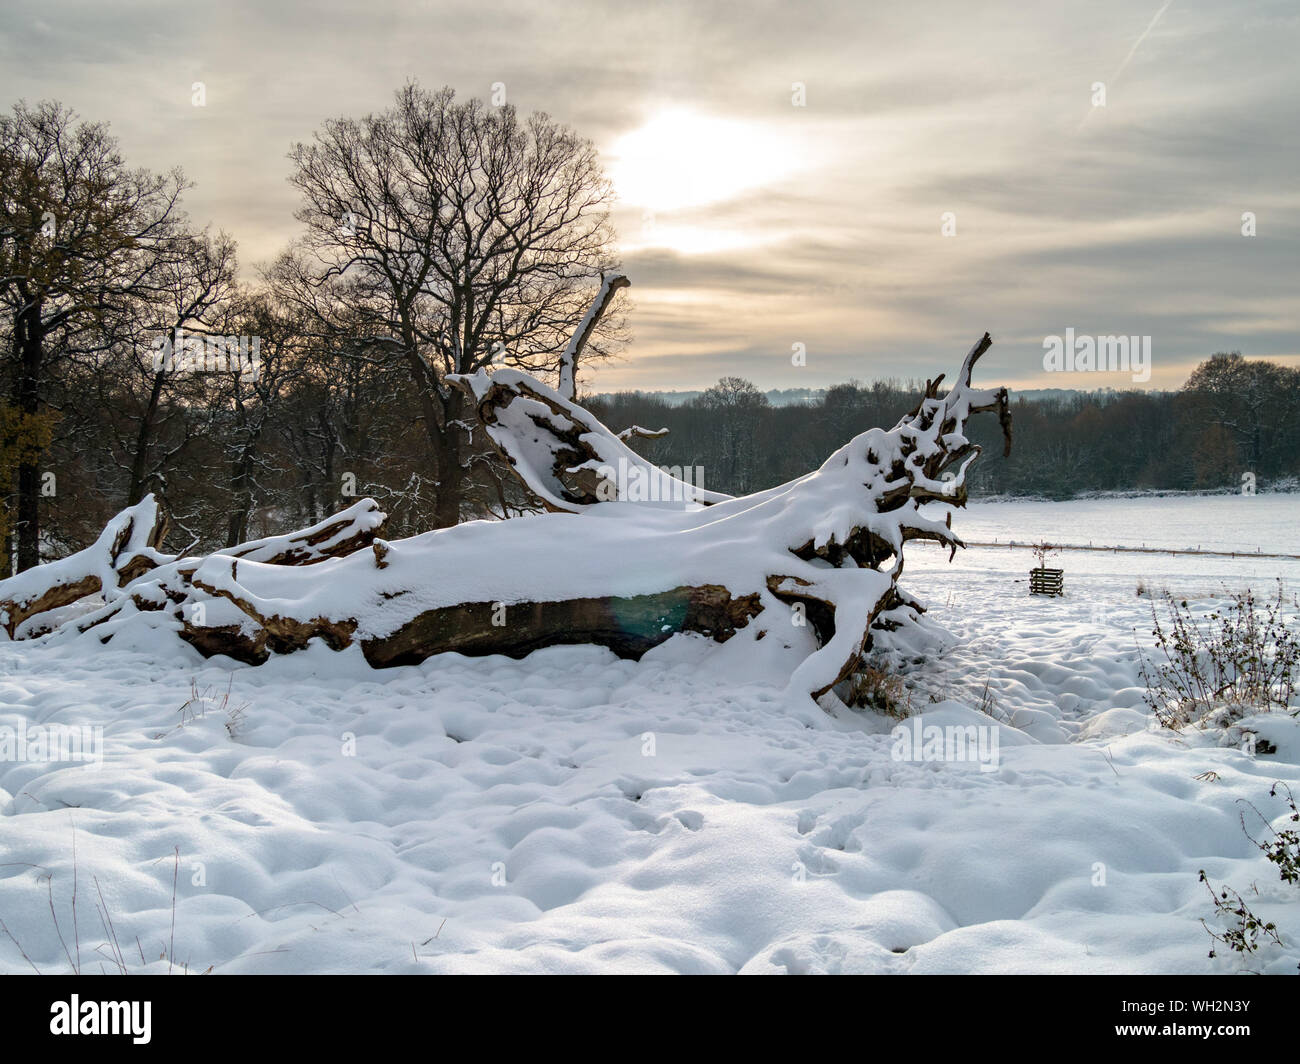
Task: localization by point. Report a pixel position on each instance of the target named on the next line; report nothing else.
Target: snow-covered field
(575, 812)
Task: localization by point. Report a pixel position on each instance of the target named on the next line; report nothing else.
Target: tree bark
(28, 524)
(140, 460)
(609, 286)
(451, 466)
(629, 626)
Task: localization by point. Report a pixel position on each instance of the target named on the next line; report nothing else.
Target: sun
(681, 159)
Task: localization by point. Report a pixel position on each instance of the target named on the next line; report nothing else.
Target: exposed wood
(628, 626)
(335, 537)
(127, 548)
(1043, 581)
(609, 287)
(278, 633)
(562, 453)
(342, 534)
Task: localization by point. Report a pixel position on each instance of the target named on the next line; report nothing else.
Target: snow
(1269, 523)
(124, 539)
(580, 813)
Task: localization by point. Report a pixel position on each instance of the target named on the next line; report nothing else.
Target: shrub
(1246, 932)
(1042, 551)
(1239, 658)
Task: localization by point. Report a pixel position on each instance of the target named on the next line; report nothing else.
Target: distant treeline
(1235, 421)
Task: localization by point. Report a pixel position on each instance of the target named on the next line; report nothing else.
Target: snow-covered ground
(1270, 523)
(576, 812)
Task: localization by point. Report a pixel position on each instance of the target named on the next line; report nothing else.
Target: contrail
(1133, 51)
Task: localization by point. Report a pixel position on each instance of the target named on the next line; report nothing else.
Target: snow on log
(803, 573)
(168, 585)
(636, 432)
(347, 531)
(569, 360)
(562, 453)
(126, 548)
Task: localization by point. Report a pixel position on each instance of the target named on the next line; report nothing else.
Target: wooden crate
(1047, 581)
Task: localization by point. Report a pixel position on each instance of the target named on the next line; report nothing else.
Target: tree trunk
(442, 449)
(812, 565)
(242, 494)
(451, 469)
(28, 525)
(140, 460)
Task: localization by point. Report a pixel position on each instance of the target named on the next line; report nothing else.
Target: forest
(1234, 418)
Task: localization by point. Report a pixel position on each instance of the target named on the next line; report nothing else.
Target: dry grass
(110, 949)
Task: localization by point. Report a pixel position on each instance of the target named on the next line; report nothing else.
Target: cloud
(1125, 217)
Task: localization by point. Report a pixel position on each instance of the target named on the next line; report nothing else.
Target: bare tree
(454, 235)
(194, 290)
(247, 397)
(1254, 402)
(737, 408)
(81, 238)
(152, 414)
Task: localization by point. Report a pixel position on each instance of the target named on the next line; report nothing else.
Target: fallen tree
(810, 567)
(127, 547)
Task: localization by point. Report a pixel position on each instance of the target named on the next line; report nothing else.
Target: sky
(808, 192)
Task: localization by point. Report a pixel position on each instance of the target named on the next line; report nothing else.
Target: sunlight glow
(682, 159)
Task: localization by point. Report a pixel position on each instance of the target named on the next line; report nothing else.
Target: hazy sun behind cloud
(680, 159)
